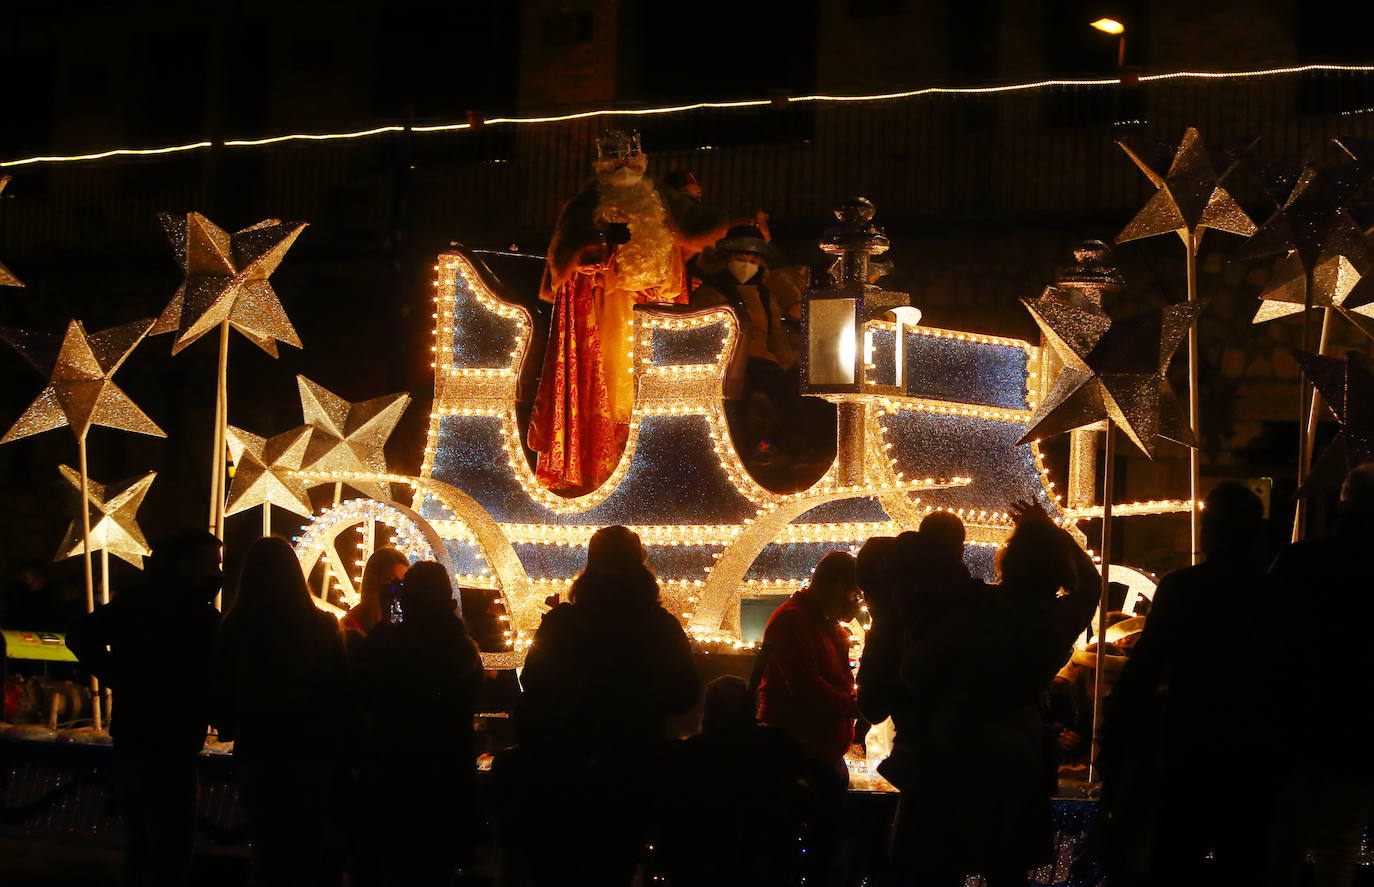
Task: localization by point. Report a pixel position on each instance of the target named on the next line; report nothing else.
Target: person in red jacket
(807, 690)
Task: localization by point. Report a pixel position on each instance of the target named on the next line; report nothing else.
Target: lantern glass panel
(831, 342)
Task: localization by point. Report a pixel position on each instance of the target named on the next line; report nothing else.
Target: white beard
(646, 260)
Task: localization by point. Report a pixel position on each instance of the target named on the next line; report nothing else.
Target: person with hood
(284, 695)
(418, 680)
(807, 691)
(152, 646)
(984, 774)
(601, 678)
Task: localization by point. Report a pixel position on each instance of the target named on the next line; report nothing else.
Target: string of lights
(677, 109)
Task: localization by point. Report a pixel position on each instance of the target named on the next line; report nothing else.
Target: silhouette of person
(983, 775)
(418, 679)
(602, 676)
(284, 696)
(1327, 798)
(808, 691)
(1190, 694)
(384, 570)
(152, 646)
(732, 798)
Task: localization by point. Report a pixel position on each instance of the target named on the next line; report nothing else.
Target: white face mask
(742, 270)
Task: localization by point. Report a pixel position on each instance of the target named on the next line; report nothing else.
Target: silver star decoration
(264, 471)
(227, 279)
(114, 527)
(1190, 195)
(350, 437)
(1113, 370)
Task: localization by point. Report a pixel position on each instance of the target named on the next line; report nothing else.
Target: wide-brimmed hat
(748, 239)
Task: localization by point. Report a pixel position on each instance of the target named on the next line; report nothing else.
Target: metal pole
(267, 518)
(222, 429)
(104, 575)
(1108, 478)
(1313, 409)
(86, 561)
(1304, 457)
(1194, 410)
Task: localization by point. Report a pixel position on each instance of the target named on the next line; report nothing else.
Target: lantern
(839, 355)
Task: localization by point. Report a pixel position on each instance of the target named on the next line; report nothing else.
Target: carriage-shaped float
(929, 418)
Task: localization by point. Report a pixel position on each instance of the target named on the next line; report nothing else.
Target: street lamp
(1112, 26)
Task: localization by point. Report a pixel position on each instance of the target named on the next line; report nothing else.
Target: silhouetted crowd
(1235, 741)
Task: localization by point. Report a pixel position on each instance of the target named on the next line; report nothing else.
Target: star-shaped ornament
(350, 437)
(80, 392)
(6, 278)
(1190, 195)
(1347, 387)
(1340, 278)
(264, 471)
(227, 279)
(1313, 204)
(1113, 370)
(112, 510)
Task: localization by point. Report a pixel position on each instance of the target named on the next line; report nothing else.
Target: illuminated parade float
(927, 419)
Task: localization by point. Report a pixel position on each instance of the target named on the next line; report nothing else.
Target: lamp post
(837, 357)
(1117, 29)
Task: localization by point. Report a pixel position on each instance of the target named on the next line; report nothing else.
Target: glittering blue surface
(481, 337)
(464, 555)
(566, 561)
(969, 372)
(693, 346)
(981, 561)
(845, 511)
(675, 477)
(884, 369)
(926, 444)
(791, 561)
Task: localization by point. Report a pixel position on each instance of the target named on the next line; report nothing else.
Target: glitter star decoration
(112, 510)
(264, 471)
(1340, 278)
(6, 278)
(1347, 386)
(349, 437)
(227, 279)
(1190, 195)
(1113, 370)
(80, 392)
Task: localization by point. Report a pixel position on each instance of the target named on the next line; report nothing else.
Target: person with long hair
(602, 677)
(418, 680)
(984, 774)
(385, 567)
(284, 697)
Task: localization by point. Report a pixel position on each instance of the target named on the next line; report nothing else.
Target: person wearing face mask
(622, 241)
(152, 647)
(762, 383)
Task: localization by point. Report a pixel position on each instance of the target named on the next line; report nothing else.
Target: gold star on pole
(227, 279)
(1347, 386)
(1340, 278)
(1113, 370)
(263, 471)
(6, 278)
(80, 392)
(112, 510)
(1190, 195)
(350, 437)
